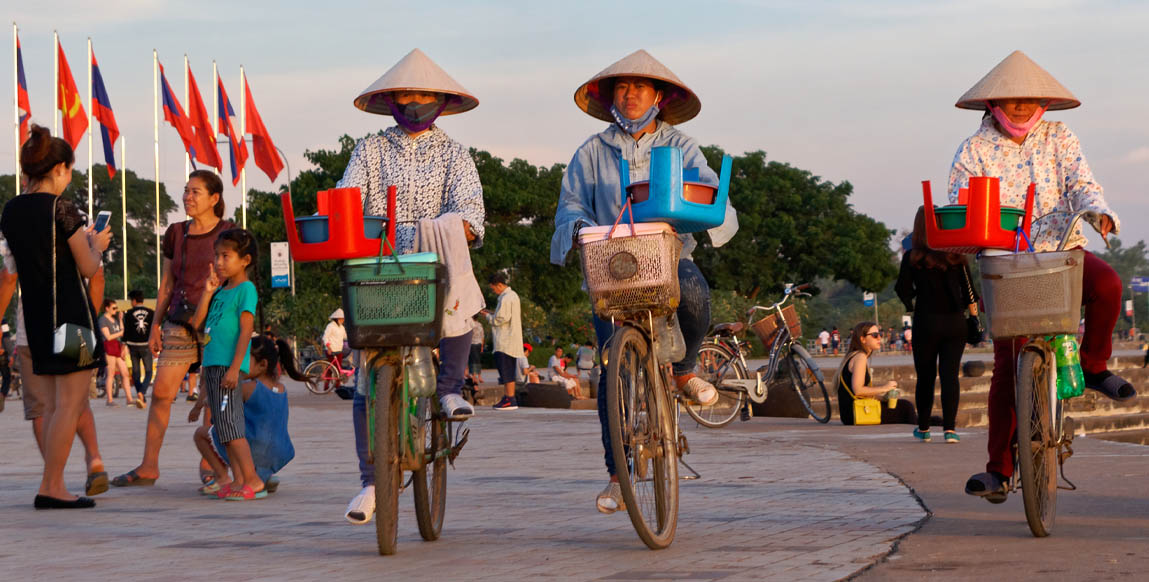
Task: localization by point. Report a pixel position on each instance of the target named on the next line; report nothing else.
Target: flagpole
(90, 109)
(215, 112)
(187, 90)
(16, 98)
(124, 208)
(243, 135)
(55, 83)
(156, 148)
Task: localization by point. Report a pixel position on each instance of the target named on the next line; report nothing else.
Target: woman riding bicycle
(335, 339)
(1016, 146)
(436, 176)
(642, 100)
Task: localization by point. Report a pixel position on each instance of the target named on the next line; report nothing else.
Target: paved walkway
(520, 506)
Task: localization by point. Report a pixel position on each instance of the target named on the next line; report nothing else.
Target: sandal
(96, 484)
(132, 479)
(245, 494)
(209, 488)
(223, 492)
(988, 485)
(1110, 385)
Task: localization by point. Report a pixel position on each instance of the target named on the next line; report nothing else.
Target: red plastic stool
(982, 228)
(343, 208)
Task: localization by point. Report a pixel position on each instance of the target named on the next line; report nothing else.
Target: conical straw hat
(676, 109)
(1018, 77)
(416, 72)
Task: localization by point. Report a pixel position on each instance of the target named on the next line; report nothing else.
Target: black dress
(27, 227)
(903, 413)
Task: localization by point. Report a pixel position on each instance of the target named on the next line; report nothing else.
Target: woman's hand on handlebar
(1105, 225)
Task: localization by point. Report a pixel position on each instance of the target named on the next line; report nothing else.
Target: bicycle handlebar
(1077, 216)
(791, 291)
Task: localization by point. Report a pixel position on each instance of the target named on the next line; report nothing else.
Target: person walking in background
(835, 339)
(855, 379)
(507, 331)
(824, 341)
(111, 327)
(188, 251)
(938, 289)
(137, 326)
(52, 251)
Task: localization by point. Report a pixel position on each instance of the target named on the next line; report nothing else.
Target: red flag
(205, 148)
(75, 120)
(263, 149)
(174, 114)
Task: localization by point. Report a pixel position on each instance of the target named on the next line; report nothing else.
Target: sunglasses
(875, 335)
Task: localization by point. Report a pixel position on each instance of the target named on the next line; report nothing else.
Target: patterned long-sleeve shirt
(434, 174)
(1051, 158)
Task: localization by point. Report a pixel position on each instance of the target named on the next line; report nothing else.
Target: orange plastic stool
(345, 240)
(982, 228)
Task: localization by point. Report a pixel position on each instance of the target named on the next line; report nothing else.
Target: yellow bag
(867, 411)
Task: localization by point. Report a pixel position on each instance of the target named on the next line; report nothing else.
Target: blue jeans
(694, 319)
(453, 353)
(141, 367)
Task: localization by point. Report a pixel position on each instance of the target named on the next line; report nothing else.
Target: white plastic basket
(631, 271)
(1032, 293)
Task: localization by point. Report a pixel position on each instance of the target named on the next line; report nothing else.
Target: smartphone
(102, 220)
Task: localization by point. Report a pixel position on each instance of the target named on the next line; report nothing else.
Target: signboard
(868, 299)
(1128, 308)
(1139, 284)
(280, 265)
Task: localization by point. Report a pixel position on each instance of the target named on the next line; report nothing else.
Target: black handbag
(974, 333)
(70, 340)
(180, 309)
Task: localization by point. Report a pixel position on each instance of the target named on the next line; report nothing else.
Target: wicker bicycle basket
(1032, 293)
(768, 327)
(631, 271)
(393, 301)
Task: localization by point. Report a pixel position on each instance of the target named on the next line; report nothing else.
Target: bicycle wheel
(1036, 441)
(430, 482)
(388, 470)
(642, 442)
(807, 381)
(321, 376)
(715, 364)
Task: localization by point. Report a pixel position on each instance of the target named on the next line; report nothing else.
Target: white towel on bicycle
(445, 236)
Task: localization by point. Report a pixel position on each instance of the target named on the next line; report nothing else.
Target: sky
(849, 90)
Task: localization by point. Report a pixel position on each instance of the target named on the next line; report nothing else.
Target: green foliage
(1129, 262)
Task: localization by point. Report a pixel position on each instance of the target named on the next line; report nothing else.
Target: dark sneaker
(989, 485)
(507, 403)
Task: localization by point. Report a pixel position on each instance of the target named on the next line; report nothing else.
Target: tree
(1129, 262)
(793, 228)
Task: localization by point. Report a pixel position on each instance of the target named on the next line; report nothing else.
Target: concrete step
(1112, 422)
(1139, 437)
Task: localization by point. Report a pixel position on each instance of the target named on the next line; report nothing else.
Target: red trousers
(1101, 298)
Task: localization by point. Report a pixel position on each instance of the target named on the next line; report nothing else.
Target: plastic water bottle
(1070, 378)
(671, 346)
(421, 372)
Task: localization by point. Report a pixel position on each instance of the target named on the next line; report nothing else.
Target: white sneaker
(456, 407)
(610, 500)
(362, 507)
(701, 391)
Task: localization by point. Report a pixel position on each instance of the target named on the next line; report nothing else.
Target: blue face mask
(633, 126)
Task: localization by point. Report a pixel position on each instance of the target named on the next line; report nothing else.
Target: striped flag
(102, 111)
(22, 101)
(174, 114)
(236, 146)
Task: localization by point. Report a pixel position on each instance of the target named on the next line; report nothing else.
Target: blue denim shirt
(591, 192)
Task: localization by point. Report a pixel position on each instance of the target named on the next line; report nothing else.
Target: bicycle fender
(802, 352)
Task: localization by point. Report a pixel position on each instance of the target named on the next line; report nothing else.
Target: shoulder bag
(975, 334)
(867, 411)
(70, 340)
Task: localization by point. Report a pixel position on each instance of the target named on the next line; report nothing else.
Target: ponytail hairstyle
(270, 352)
(42, 152)
(214, 185)
(244, 245)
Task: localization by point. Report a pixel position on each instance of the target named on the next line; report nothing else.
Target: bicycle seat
(734, 328)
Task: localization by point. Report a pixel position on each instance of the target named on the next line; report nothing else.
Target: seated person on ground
(855, 379)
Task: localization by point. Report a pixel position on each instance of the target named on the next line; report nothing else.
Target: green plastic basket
(391, 301)
(953, 217)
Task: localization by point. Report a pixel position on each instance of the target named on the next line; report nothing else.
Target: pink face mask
(1016, 129)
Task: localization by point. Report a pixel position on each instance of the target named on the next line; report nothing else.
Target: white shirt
(555, 367)
(507, 324)
(824, 337)
(334, 336)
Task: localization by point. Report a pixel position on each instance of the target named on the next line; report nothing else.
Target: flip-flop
(1111, 385)
(132, 479)
(96, 484)
(245, 494)
(210, 488)
(987, 485)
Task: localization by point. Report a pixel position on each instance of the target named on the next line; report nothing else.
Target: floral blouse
(1050, 157)
(435, 175)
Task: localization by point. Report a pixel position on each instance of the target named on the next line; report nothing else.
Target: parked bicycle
(722, 362)
(1034, 297)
